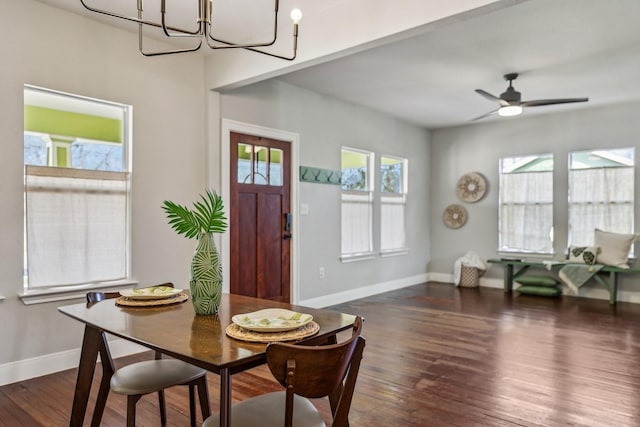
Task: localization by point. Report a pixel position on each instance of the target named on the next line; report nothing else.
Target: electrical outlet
(321, 272)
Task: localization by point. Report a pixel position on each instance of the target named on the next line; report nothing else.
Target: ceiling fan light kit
(510, 110)
(510, 103)
(203, 31)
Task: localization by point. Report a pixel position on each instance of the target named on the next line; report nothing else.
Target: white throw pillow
(584, 254)
(614, 247)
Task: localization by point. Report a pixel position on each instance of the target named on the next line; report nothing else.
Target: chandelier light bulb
(296, 16)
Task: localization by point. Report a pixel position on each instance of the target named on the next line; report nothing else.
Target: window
(393, 189)
(77, 191)
(357, 202)
(601, 188)
(259, 165)
(526, 204)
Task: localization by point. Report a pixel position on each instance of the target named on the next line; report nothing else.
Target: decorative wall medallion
(471, 187)
(454, 216)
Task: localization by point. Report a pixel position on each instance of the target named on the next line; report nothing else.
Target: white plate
(272, 320)
(155, 292)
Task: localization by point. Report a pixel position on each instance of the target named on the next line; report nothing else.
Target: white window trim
(31, 296)
(357, 257)
(394, 252)
(402, 196)
(63, 293)
(361, 256)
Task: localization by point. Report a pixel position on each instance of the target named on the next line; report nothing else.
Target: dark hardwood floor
(436, 356)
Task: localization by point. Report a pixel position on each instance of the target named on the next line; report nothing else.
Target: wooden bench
(607, 276)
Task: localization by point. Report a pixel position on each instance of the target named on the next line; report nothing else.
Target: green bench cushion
(546, 291)
(537, 280)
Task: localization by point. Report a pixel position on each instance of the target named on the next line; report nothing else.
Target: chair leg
(131, 409)
(192, 404)
(163, 408)
(203, 394)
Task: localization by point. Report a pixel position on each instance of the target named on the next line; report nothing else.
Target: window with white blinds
(393, 194)
(357, 203)
(601, 193)
(526, 204)
(77, 190)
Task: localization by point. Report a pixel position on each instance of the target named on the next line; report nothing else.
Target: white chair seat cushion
(153, 375)
(267, 410)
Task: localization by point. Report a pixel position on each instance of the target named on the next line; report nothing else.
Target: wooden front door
(260, 218)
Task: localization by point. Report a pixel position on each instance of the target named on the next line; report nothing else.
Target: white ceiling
(562, 49)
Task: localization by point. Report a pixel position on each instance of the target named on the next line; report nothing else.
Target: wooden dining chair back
(151, 376)
(306, 372)
(315, 372)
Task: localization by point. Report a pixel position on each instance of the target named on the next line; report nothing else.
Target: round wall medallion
(454, 216)
(471, 187)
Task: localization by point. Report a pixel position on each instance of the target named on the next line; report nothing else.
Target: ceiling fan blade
(486, 114)
(491, 97)
(541, 102)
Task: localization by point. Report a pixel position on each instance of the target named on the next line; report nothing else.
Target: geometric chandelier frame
(203, 30)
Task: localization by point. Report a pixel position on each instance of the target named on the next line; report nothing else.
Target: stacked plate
(272, 320)
(272, 325)
(151, 297)
(156, 292)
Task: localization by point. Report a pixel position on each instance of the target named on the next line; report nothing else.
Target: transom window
(526, 204)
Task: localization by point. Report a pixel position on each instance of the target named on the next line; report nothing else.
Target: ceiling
(561, 49)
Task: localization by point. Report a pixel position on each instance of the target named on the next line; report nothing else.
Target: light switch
(304, 209)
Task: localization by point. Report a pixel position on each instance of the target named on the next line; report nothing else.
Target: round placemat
(454, 216)
(130, 302)
(239, 333)
(471, 187)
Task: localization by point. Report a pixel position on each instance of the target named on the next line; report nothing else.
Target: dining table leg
(88, 357)
(225, 397)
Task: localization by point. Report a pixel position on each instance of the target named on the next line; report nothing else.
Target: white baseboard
(365, 291)
(22, 370)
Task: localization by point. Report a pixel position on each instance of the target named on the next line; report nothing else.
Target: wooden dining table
(176, 331)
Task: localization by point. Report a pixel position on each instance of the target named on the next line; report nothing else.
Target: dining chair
(140, 378)
(306, 372)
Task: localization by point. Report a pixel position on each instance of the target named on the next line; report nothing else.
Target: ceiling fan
(510, 104)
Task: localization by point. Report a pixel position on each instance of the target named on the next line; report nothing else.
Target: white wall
(326, 124)
(478, 147)
(47, 47)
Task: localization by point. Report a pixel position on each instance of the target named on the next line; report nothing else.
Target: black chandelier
(203, 30)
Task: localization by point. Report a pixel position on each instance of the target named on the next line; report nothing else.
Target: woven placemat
(130, 302)
(239, 333)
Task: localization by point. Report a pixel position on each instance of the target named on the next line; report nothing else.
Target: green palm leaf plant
(206, 217)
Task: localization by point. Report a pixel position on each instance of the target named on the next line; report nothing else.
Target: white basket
(470, 277)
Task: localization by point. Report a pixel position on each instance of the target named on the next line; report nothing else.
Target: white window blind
(393, 190)
(601, 193)
(76, 226)
(526, 204)
(392, 229)
(356, 223)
